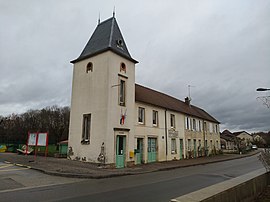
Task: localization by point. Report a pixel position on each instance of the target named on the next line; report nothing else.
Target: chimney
(187, 101)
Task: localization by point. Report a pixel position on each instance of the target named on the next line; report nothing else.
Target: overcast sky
(222, 48)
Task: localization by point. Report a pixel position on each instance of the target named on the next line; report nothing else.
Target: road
(157, 186)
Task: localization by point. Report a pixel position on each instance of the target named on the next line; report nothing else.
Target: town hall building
(119, 123)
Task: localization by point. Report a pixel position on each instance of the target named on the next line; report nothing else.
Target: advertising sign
(32, 139)
(42, 139)
(37, 139)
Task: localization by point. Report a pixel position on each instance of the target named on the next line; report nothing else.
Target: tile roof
(149, 96)
(107, 36)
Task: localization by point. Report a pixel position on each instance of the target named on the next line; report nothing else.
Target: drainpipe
(204, 138)
(166, 141)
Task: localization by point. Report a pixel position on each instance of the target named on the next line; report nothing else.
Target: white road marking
(4, 166)
(8, 170)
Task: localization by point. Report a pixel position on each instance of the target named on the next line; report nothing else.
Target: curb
(110, 175)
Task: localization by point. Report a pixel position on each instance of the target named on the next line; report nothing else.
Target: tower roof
(107, 36)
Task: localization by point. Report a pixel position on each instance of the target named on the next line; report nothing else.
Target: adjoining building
(120, 123)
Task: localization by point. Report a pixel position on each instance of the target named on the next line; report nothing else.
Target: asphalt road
(157, 186)
(14, 178)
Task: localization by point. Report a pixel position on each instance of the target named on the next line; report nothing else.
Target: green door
(152, 150)
(120, 151)
(181, 149)
(195, 148)
(139, 151)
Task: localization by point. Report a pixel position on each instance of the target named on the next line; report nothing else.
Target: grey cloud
(220, 47)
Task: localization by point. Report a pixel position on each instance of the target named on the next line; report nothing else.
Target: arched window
(89, 67)
(123, 67)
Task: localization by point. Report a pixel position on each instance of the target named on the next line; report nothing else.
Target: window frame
(194, 125)
(172, 120)
(200, 126)
(86, 128)
(173, 146)
(155, 118)
(141, 112)
(122, 92)
(123, 67)
(89, 67)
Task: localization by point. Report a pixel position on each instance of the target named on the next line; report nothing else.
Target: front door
(181, 149)
(195, 148)
(120, 151)
(139, 151)
(152, 150)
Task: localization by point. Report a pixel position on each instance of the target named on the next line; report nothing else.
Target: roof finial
(98, 18)
(114, 11)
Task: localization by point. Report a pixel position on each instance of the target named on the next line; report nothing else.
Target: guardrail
(243, 188)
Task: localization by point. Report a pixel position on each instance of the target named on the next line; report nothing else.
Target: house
(243, 135)
(120, 123)
(228, 141)
(259, 139)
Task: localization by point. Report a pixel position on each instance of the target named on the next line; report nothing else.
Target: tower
(103, 99)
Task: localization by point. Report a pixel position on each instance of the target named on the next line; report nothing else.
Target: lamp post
(265, 99)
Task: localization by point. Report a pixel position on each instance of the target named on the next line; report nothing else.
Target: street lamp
(263, 89)
(265, 99)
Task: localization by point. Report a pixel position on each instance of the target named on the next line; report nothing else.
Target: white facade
(108, 126)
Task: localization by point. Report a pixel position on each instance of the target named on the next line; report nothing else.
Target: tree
(54, 120)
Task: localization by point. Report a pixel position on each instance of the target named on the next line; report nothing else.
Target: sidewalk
(77, 169)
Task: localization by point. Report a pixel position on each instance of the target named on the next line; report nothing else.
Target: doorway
(139, 151)
(181, 148)
(120, 151)
(152, 150)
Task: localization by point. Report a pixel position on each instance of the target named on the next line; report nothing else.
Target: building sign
(37, 139)
(173, 133)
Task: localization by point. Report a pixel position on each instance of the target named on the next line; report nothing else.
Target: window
(173, 146)
(122, 92)
(200, 126)
(217, 128)
(186, 123)
(194, 125)
(89, 67)
(123, 67)
(141, 112)
(86, 127)
(204, 126)
(155, 118)
(172, 121)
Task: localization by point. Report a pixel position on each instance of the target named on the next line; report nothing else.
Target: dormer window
(123, 67)
(119, 43)
(89, 67)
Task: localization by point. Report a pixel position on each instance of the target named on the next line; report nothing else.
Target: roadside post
(37, 139)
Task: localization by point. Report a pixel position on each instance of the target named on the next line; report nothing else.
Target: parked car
(254, 147)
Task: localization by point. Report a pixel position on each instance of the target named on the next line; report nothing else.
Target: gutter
(166, 133)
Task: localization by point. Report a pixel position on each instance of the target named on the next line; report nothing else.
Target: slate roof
(107, 36)
(149, 96)
(240, 132)
(227, 132)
